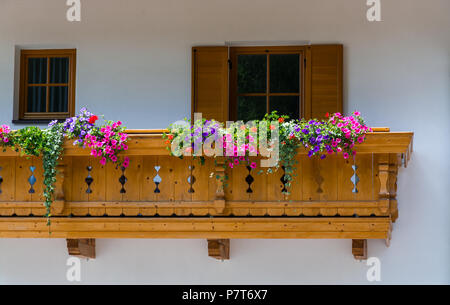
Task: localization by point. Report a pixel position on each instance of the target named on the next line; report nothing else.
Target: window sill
(35, 121)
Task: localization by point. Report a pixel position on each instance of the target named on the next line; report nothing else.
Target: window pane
(36, 99)
(286, 105)
(252, 73)
(251, 108)
(285, 73)
(58, 99)
(59, 70)
(37, 70)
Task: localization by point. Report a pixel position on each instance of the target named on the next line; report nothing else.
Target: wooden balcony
(160, 196)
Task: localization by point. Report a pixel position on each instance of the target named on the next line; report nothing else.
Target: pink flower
(357, 113)
(236, 161)
(103, 161)
(94, 153)
(360, 139)
(345, 155)
(253, 165)
(231, 165)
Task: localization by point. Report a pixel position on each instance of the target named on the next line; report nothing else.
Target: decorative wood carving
(219, 200)
(359, 248)
(59, 198)
(393, 173)
(84, 248)
(219, 248)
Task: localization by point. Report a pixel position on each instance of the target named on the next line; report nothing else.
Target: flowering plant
(5, 131)
(336, 134)
(105, 142)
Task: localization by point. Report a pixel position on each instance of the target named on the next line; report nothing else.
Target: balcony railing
(160, 196)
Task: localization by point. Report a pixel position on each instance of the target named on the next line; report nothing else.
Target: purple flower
(52, 123)
(310, 153)
(323, 157)
(305, 131)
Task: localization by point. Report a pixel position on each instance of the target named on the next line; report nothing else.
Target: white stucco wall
(134, 65)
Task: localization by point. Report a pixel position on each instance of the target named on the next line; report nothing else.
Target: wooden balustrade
(160, 196)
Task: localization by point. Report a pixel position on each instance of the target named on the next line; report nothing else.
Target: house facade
(135, 62)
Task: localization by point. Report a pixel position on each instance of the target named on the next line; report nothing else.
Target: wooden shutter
(210, 82)
(323, 83)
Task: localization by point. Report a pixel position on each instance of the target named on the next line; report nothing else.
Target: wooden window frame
(266, 50)
(23, 92)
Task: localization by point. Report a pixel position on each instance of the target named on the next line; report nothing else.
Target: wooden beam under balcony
(359, 249)
(219, 248)
(83, 248)
(209, 228)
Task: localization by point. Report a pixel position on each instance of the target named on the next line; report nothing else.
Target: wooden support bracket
(219, 200)
(359, 248)
(219, 248)
(59, 197)
(84, 248)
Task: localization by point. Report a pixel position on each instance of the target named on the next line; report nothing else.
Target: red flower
(280, 120)
(93, 119)
(170, 137)
(327, 115)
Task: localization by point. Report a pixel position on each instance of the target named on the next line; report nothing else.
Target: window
(47, 84)
(246, 82)
(266, 79)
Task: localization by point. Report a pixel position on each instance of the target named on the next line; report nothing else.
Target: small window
(47, 86)
(266, 79)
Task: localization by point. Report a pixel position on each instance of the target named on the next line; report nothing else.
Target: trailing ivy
(53, 139)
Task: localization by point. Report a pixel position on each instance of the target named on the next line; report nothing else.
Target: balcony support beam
(359, 249)
(219, 248)
(83, 248)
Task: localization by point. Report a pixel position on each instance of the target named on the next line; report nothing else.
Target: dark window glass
(36, 99)
(286, 105)
(252, 73)
(59, 70)
(58, 99)
(284, 73)
(37, 70)
(251, 108)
